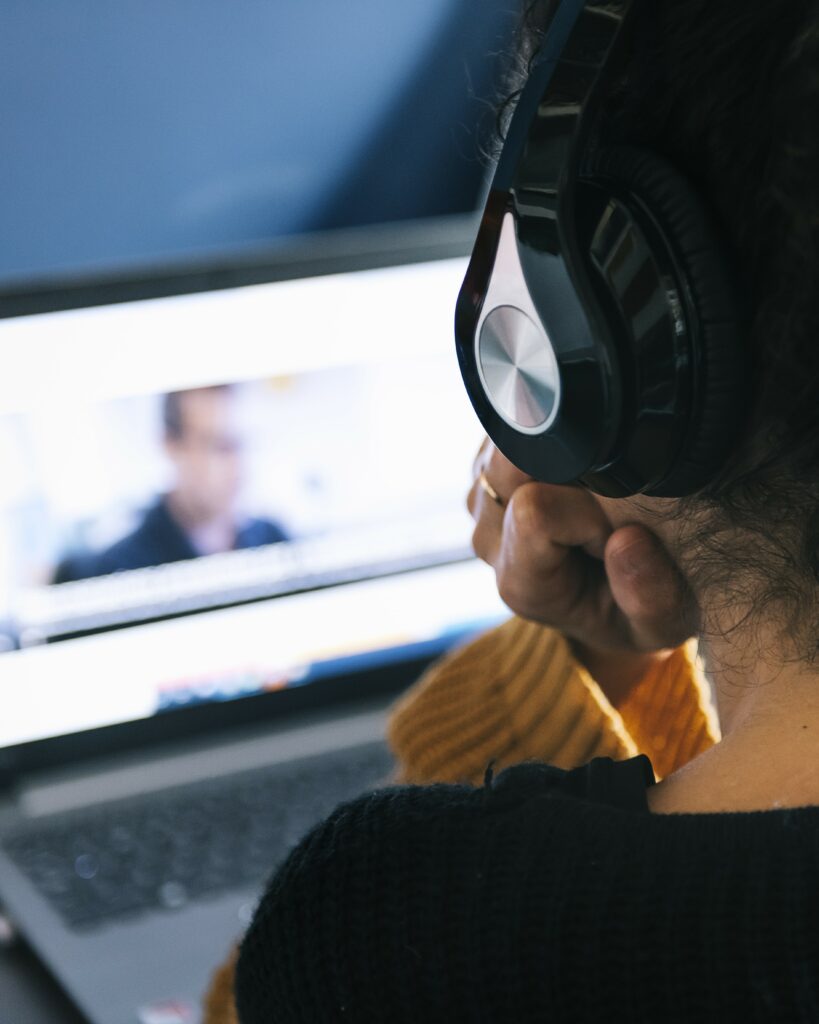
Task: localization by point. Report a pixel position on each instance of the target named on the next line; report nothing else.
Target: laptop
(232, 531)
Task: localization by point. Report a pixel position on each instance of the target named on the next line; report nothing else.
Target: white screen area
(313, 457)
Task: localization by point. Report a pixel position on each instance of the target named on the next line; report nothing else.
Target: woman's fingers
(488, 516)
(544, 519)
(504, 478)
(501, 474)
(558, 561)
(648, 589)
(547, 532)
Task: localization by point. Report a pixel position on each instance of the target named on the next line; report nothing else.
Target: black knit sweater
(545, 896)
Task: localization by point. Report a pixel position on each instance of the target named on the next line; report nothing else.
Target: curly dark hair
(729, 93)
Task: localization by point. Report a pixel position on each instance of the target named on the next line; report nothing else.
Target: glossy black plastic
(652, 323)
(533, 181)
(584, 428)
(608, 283)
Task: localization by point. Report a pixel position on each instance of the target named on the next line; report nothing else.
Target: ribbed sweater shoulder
(543, 895)
(517, 693)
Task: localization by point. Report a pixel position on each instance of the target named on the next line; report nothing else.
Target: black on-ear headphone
(598, 328)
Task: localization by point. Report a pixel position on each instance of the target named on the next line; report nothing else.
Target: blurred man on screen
(198, 516)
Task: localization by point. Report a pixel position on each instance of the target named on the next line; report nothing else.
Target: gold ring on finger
(490, 490)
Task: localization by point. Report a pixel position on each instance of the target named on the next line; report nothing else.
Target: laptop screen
(210, 496)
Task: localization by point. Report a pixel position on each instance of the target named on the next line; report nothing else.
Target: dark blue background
(137, 131)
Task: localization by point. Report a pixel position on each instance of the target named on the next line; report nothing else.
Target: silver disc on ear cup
(518, 369)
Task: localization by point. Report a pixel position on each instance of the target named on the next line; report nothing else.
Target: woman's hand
(558, 560)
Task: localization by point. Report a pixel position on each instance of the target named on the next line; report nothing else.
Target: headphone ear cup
(717, 332)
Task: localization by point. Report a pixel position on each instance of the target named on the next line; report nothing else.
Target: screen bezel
(315, 255)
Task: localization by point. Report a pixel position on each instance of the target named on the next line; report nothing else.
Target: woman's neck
(769, 714)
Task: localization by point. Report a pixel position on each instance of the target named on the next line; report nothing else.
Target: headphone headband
(560, 85)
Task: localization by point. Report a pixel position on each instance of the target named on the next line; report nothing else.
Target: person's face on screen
(207, 453)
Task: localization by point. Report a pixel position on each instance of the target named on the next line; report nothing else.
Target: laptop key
(163, 850)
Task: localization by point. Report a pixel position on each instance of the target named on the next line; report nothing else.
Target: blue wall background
(136, 131)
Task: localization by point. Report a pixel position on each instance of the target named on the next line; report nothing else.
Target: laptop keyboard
(166, 849)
